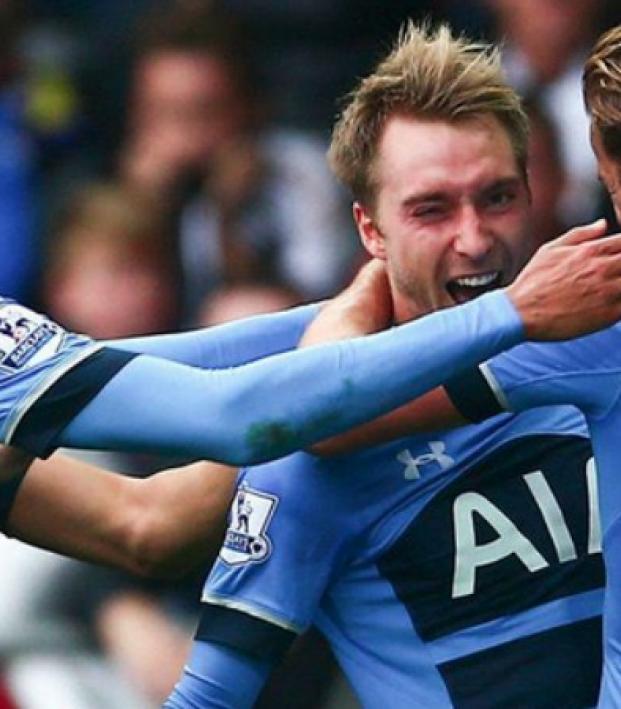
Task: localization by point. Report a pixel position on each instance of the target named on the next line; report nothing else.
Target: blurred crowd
(162, 166)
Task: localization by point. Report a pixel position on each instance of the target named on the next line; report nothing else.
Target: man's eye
(429, 211)
(500, 199)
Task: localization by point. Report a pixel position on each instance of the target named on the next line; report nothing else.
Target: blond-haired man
(459, 569)
(585, 372)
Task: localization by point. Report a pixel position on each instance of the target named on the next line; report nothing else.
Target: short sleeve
(585, 372)
(289, 531)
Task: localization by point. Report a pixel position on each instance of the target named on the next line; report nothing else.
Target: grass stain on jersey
(269, 440)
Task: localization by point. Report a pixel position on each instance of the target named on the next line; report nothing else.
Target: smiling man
(450, 216)
(460, 569)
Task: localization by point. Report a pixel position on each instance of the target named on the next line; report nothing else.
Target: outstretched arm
(269, 408)
(228, 345)
(161, 525)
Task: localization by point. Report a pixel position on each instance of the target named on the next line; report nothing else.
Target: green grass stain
(273, 439)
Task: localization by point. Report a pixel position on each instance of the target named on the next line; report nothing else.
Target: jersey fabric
(586, 372)
(242, 415)
(461, 569)
(35, 353)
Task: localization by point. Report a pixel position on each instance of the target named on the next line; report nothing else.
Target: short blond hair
(601, 84)
(432, 74)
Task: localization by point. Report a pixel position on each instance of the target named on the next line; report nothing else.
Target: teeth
(477, 281)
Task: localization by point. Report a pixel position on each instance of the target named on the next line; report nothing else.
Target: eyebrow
(439, 194)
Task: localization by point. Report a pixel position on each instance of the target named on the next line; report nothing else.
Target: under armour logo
(412, 464)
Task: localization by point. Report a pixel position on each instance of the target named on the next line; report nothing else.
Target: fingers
(610, 245)
(580, 234)
(372, 273)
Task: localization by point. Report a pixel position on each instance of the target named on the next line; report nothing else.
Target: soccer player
(585, 372)
(459, 569)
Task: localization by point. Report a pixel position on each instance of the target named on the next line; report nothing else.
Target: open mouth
(466, 288)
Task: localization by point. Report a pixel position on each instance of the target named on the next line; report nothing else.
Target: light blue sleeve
(305, 516)
(279, 404)
(218, 677)
(585, 372)
(228, 345)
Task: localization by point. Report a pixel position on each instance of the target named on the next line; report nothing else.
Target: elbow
(145, 550)
(148, 555)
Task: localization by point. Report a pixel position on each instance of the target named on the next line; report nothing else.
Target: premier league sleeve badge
(26, 338)
(246, 539)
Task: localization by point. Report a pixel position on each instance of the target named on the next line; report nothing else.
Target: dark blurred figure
(310, 52)
(265, 205)
(545, 45)
(547, 175)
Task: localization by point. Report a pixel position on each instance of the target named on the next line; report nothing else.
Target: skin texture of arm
(161, 525)
(431, 412)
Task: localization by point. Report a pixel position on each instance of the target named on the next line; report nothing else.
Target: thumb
(588, 232)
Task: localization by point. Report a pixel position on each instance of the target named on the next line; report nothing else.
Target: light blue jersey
(461, 569)
(57, 389)
(586, 372)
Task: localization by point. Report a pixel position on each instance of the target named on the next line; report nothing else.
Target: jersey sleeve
(228, 345)
(256, 412)
(584, 372)
(37, 357)
(217, 676)
(289, 531)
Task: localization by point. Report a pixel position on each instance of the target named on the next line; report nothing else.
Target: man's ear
(371, 237)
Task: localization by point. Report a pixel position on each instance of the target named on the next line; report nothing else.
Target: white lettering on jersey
(469, 555)
(595, 526)
(552, 516)
(413, 465)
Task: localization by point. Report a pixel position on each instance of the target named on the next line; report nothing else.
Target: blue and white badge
(26, 338)
(246, 538)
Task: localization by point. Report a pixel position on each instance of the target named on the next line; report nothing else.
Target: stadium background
(139, 195)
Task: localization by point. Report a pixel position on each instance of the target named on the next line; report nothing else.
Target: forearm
(431, 412)
(274, 406)
(228, 345)
(218, 676)
(73, 508)
(162, 524)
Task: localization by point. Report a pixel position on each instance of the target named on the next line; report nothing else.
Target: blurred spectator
(110, 269)
(266, 205)
(545, 44)
(547, 175)
(234, 302)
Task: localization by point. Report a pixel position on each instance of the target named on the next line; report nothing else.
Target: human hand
(364, 307)
(572, 286)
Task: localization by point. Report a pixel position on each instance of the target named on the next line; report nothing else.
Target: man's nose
(472, 238)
